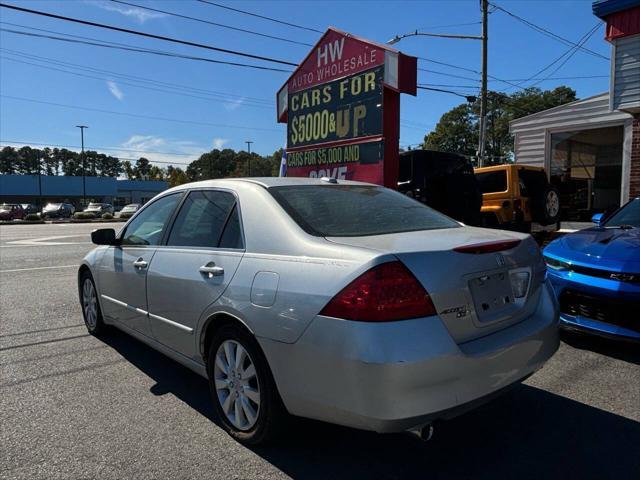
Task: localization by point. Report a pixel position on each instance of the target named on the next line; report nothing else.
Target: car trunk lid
(471, 288)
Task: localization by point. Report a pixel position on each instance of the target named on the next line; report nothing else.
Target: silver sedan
(334, 300)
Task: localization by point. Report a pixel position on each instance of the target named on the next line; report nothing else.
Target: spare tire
(545, 208)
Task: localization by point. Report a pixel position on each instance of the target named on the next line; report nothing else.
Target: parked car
(444, 181)
(335, 300)
(99, 208)
(514, 196)
(11, 211)
(57, 210)
(596, 275)
(128, 210)
(29, 208)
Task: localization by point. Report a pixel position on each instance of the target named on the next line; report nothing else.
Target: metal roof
(603, 8)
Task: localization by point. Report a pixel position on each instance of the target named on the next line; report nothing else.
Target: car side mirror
(104, 236)
(597, 218)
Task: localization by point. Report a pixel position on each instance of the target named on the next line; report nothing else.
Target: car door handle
(211, 270)
(140, 263)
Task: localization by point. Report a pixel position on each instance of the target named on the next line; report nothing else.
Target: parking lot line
(37, 268)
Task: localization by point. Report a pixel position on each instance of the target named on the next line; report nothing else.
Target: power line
(147, 35)
(173, 92)
(186, 17)
(147, 117)
(446, 91)
(436, 72)
(474, 87)
(53, 61)
(550, 34)
(431, 27)
(95, 148)
(577, 77)
(282, 22)
(569, 53)
(142, 50)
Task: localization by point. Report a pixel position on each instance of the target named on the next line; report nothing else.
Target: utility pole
(249, 142)
(84, 170)
(483, 94)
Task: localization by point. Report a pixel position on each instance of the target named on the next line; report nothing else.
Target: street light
(416, 33)
(84, 181)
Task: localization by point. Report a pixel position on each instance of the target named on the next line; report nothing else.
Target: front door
(193, 269)
(123, 268)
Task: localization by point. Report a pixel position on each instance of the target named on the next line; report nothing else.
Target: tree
(128, 170)
(176, 176)
(8, 160)
(142, 169)
(457, 130)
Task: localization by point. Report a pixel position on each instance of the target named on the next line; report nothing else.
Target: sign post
(342, 109)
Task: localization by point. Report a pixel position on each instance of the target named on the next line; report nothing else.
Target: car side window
(147, 227)
(232, 235)
(202, 218)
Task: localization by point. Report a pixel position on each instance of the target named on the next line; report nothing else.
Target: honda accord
(335, 300)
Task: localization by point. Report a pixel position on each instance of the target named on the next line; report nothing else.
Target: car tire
(256, 391)
(546, 206)
(91, 312)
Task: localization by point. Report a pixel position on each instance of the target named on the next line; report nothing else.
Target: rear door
(123, 269)
(194, 267)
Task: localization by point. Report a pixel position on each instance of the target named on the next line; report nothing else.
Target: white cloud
(160, 149)
(233, 105)
(219, 142)
(137, 14)
(115, 90)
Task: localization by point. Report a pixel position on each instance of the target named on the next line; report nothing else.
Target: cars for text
(334, 300)
(596, 275)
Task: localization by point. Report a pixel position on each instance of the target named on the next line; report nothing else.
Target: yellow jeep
(514, 196)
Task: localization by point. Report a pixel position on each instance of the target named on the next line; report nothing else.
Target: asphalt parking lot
(73, 406)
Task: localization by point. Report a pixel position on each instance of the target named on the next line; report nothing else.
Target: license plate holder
(491, 294)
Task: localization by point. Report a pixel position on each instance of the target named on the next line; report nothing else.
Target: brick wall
(634, 180)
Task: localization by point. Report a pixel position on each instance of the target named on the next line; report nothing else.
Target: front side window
(627, 216)
(356, 210)
(202, 219)
(147, 227)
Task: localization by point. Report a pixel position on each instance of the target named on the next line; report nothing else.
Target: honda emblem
(500, 260)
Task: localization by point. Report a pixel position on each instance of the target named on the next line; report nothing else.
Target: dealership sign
(342, 110)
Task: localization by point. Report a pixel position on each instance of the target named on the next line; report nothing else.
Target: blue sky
(238, 104)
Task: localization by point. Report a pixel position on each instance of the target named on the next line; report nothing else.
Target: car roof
(266, 182)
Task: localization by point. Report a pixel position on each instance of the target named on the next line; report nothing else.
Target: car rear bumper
(397, 376)
(608, 307)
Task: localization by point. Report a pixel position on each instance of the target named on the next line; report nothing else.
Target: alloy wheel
(236, 385)
(90, 303)
(552, 203)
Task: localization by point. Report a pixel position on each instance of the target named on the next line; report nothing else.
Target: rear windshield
(492, 181)
(356, 210)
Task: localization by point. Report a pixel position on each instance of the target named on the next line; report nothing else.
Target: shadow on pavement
(527, 433)
(618, 349)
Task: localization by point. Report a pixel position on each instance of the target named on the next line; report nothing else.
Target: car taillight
(488, 247)
(384, 293)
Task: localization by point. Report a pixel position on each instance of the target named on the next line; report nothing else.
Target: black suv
(443, 181)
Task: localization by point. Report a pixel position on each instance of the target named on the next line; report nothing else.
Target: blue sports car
(595, 274)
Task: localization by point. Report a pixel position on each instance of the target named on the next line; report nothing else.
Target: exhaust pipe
(425, 433)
